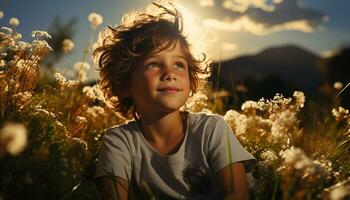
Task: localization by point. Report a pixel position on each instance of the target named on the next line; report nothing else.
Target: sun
(198, 36)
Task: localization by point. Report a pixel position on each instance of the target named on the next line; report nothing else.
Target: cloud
(246, 24)
(261, 16)
(243, 5)
(227, 46)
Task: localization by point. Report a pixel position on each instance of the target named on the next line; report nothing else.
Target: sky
(231, 28)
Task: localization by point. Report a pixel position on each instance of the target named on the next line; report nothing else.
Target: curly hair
(131, 42)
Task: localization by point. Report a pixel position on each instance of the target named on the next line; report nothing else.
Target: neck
(163, 128)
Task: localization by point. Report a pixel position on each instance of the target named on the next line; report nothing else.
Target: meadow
(51, 126)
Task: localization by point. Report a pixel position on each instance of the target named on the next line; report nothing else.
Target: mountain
(293, 65)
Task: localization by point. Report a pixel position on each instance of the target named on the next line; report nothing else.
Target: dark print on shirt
(197, 180)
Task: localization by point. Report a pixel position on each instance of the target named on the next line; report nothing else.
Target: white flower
(274, 105)
(60, 78)
(340, 113)
(269, 156)
(94, 93)
(95, 20)
(338, 85)
(17, 36)
(14, 21)
(196, 103)
(62, 82)
(23, 45)
(249, 107)
(95, 111)
(70, 83)
(299, 98)
(80, 119)
(42, 34)
(237, 121)
(283, 124)
(22, 98)
(40, 45)
(6, 30)
(81, 68)
(67, 45)
(14, 137)
(298, 159)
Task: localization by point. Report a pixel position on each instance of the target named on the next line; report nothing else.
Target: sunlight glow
(199, 37)
(206, 3)
(229, 46)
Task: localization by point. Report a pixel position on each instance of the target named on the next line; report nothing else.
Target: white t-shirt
(187, 174)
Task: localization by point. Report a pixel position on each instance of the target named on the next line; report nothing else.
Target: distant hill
(295, 66)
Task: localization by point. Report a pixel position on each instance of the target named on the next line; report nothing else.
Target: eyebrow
(155, 56)
(180, 56)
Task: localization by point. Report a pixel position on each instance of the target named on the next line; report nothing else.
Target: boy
(163, 153)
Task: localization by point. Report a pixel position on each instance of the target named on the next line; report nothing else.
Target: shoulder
(206, 120)
(209, 125)
(121, 132)
(204, 117)
(205, 125)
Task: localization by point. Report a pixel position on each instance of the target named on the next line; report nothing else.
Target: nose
(168, 74)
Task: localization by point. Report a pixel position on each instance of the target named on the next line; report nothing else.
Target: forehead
(175, 47)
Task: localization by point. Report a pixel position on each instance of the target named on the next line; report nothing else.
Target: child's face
(161, 83)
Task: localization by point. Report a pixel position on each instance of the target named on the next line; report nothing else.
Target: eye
(180, 65)
(152, 65)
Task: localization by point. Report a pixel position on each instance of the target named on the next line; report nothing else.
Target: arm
(113, 166)
(235, 172)
(112, 188)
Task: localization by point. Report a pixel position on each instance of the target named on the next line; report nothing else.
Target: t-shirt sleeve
(115, 158)
(225, 149)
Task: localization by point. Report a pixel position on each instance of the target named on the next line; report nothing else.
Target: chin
(169, 106)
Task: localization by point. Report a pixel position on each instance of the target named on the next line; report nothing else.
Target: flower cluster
(22, 99)
(94, 93)
(341, 113)
(63, 83)
(81, 68)
(197, 102)
(67, 45)
(95, 20)
(19, 60)
(14, 21)
(275, 120)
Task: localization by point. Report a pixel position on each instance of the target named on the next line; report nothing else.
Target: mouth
(169, 89)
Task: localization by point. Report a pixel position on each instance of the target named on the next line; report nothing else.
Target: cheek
(187, 81)
(150, 80)
(145, 85)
